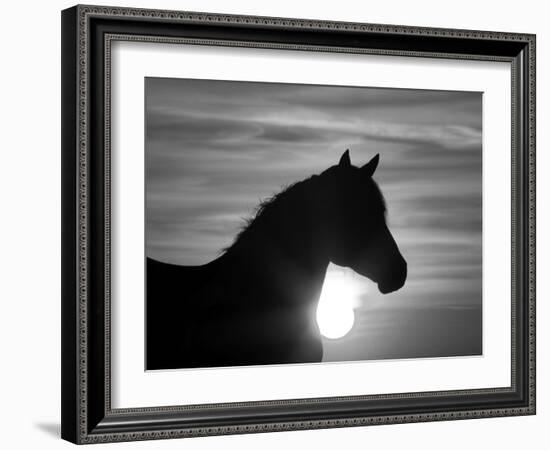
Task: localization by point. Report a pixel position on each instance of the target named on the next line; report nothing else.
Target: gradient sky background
(214, 149)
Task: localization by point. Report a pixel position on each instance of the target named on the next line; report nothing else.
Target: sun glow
(339, 296)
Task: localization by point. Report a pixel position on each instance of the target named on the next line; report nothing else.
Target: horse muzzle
(395, 280)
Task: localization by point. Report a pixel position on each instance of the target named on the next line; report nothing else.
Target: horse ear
(345, 160)
(369, 168)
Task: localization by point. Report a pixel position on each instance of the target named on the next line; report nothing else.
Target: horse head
(353, 223)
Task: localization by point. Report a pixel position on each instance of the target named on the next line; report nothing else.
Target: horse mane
(264, 209)
(262, 212)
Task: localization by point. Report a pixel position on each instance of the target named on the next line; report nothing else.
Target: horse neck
(287, 235)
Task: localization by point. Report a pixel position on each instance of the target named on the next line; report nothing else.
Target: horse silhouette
(256, 303)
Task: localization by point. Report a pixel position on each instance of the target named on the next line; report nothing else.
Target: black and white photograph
(296, 223)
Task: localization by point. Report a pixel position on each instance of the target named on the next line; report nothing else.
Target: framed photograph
(278, 224)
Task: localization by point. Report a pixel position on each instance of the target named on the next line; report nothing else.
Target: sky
(215, 149)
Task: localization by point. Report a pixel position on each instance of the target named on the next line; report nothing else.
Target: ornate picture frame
(88, 415)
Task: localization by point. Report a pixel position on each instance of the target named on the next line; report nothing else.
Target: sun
(335, 315)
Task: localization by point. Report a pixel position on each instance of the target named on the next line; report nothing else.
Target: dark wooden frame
(87, 32)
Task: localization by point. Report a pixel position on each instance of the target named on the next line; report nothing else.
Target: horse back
(169, 310)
